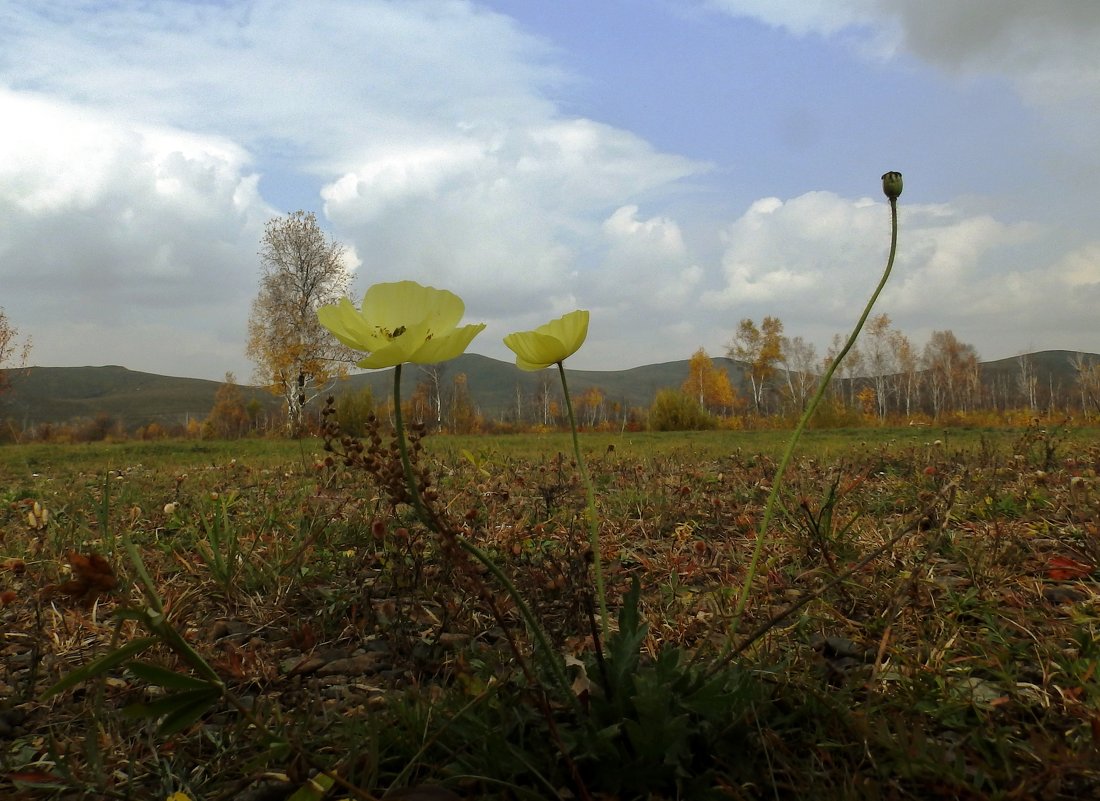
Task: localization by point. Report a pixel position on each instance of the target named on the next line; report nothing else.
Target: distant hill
(1056, 365)
(61, 394)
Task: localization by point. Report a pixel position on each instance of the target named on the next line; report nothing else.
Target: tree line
(886, 377)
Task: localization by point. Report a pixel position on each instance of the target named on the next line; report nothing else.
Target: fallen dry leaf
(92, 576)
(1062, 568)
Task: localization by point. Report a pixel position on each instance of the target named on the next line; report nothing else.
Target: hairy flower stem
(429, 520)
(593, 520)
(528, 616)
(406, 464)
(780, 471)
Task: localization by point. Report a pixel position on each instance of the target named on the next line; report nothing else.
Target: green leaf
(624, 647)
(129, 613)
(187, 714)
(179, 710)
(163, 677)
(171, 703)
(101, 665)
(150, 588)
(273, 751)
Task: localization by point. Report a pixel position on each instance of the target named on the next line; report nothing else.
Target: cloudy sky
(672, 165)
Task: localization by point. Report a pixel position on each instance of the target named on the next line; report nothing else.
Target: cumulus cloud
(802, 17)
(507, 218)
(648, 265)
(641, 238)
(116, 223)
(1080, 269)
(809, 250)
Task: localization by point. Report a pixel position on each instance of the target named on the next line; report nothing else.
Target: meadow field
(264, 619)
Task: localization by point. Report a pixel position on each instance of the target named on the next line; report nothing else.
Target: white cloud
(1080, 269)
(453, 170)
(121, 225)
(647, 265)
(801, 17)
(506, 219)
(809, 250)
(641, 238)
(321, 80)
(813, 261)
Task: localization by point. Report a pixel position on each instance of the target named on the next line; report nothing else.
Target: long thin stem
(593, 520)
(406, 464)
(431, 522)
(552, 659)
(780, 471)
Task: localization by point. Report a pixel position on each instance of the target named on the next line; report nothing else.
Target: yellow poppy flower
(551, 343)
(401, 322)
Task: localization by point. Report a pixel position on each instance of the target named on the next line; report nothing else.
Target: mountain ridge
(135, 398)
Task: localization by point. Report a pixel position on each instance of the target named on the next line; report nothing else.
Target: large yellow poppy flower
(401, 322)
(551, 343)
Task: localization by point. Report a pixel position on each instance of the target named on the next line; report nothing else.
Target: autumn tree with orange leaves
(710, 385)
(953, 376)
(761, 349)
(228, 419)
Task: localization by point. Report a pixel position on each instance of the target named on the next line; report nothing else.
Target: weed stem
(429, 520)
(781, 470)
(399, 428)
(593, 519)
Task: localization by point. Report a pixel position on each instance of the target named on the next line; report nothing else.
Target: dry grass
(925, 625)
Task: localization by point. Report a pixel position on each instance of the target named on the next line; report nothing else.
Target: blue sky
(671, 165)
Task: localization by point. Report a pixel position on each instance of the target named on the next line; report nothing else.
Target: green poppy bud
(891, 185)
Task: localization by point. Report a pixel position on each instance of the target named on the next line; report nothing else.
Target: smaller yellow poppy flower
(551, 343)
(401, 322)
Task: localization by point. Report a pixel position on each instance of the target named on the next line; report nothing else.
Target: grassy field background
(827, 443)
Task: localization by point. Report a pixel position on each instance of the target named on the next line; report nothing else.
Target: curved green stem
(556, 666)
(780, 471)
(593, 520)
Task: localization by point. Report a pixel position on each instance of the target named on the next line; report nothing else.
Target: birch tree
(909, 374)
(1088, 383)
(12, 352)
(300, 270)
(799, 361)
(761, 349)
(879, 355)
(709, 384)
(952, 370)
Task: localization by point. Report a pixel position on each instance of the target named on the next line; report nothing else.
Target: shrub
(672, 410)
(353, 410)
